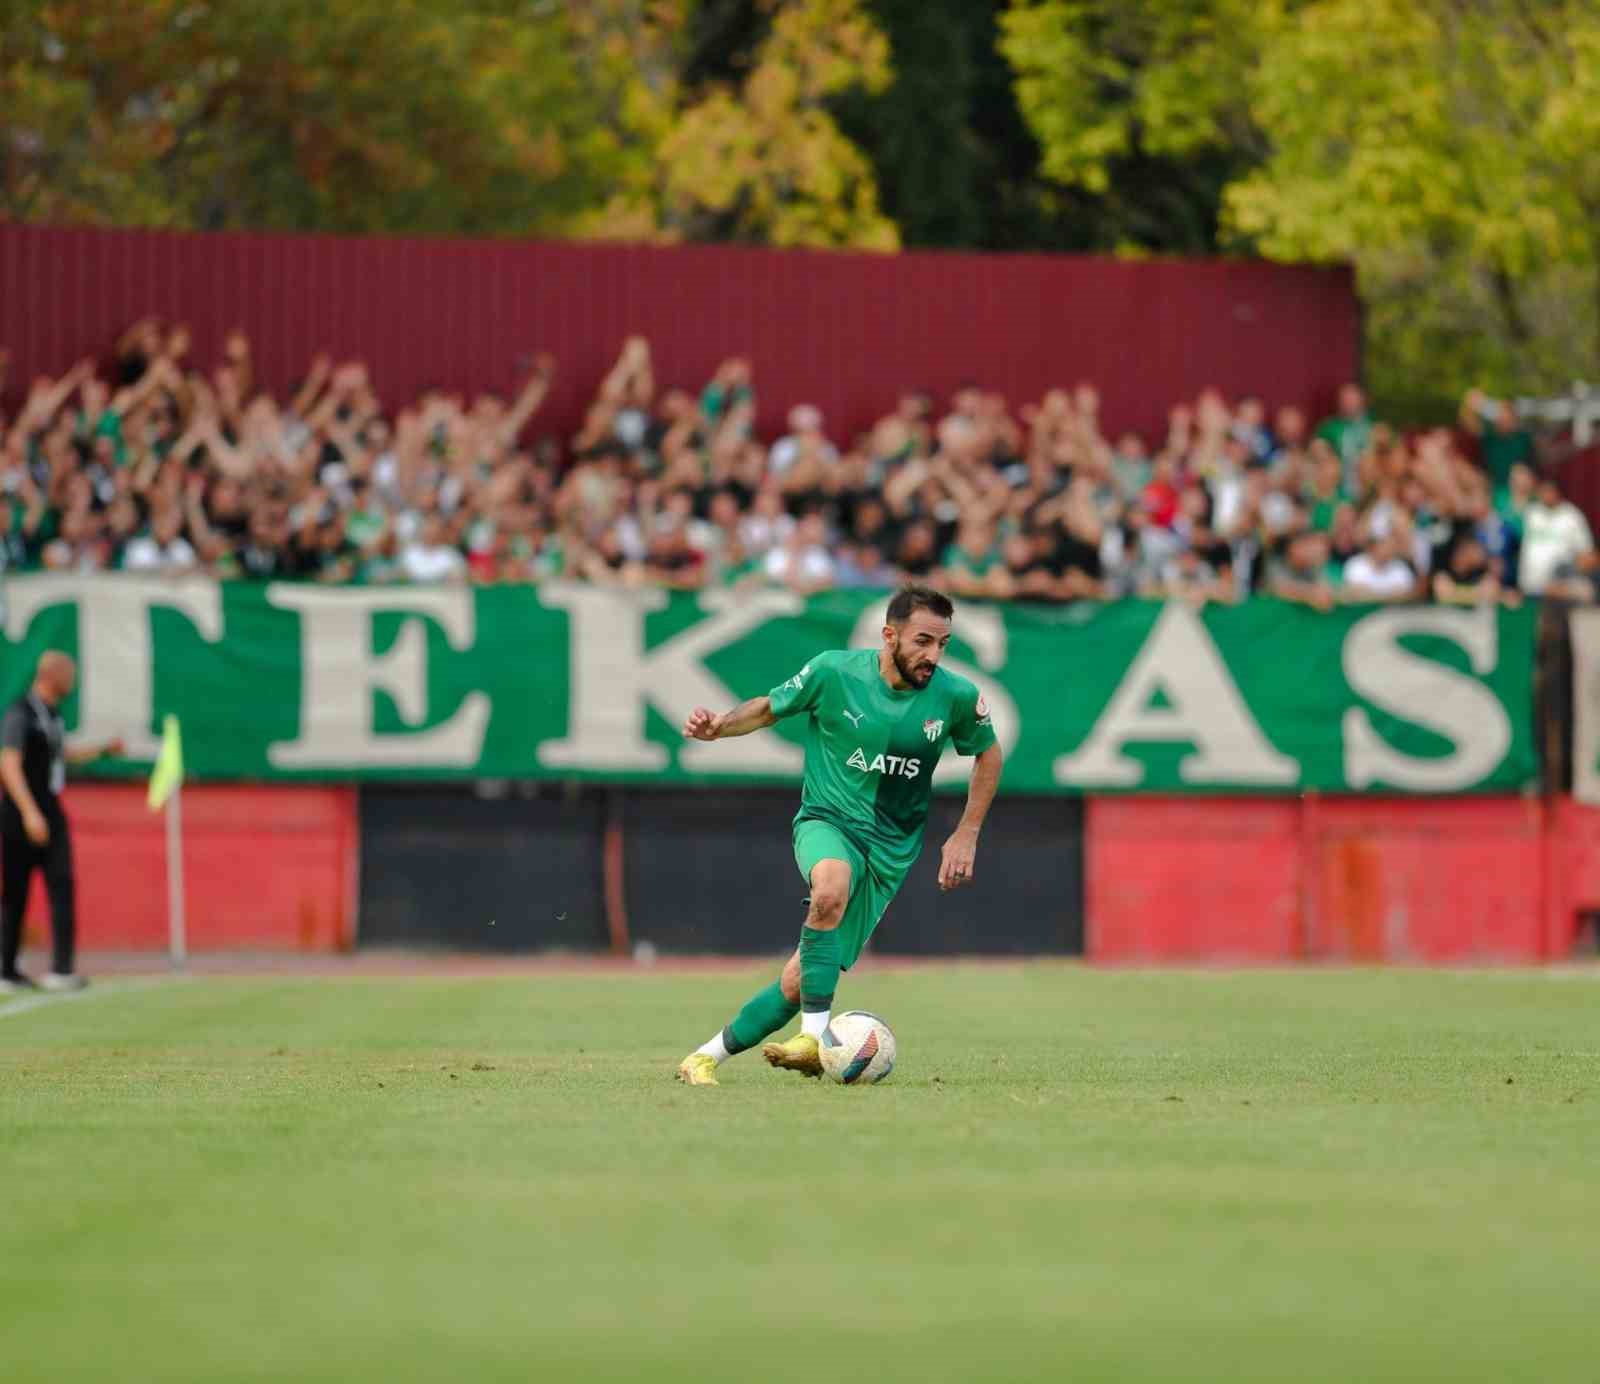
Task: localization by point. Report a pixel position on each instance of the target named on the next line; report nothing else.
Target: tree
(360, 115)
(1139, 109)
(1452, 151)
(955, 164)
(759, 157)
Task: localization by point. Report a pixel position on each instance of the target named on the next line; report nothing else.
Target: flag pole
(178, 941)
(166, 790)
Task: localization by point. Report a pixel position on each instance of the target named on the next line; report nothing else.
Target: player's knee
(827, 905)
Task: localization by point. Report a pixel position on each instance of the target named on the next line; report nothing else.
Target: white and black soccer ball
(857, 1048)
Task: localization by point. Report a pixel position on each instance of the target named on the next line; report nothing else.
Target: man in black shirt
(33, 827)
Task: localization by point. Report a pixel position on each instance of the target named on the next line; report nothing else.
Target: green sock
(764, 1012)
(819, 968)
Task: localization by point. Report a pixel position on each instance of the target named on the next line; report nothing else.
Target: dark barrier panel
(846, 331)
(450, 869)
(715, 872)
(1027, 896)
(710, 871)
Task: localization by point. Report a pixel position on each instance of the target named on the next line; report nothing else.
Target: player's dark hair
(908, 600)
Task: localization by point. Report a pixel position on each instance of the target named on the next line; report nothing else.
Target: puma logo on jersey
(855, 717)
(891, 764)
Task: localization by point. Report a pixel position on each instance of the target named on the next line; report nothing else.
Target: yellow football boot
(799, 1054)
(698, 1069)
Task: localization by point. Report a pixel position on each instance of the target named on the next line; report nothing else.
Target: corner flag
(168, 771)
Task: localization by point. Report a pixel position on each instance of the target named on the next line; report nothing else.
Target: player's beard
(916, 674)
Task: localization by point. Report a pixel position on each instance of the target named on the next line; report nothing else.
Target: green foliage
(955, 164)
(766, 161)
(1450, 151)
(494, 117)
(365, 115)
(1453, 153)
(1139, 109)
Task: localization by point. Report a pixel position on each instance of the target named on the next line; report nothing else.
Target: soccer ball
(857, 1048)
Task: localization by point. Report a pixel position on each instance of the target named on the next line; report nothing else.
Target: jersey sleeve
(971, 730)
(803, 691)
(14, 728)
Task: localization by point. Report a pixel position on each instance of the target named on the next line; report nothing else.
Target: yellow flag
(168, 773)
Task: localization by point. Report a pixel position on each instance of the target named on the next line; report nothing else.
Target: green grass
(1072, 1175)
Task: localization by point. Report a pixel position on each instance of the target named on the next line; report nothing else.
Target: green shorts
(872, 889)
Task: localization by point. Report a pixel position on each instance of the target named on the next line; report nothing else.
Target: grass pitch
(1071, 1175)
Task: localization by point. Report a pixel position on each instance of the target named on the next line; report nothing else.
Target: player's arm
(801, 693)
(755, 714)
(86, 754)
(960, 851)
(13, 734)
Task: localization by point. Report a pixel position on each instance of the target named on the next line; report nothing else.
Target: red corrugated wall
(1437, 880)
(1166, 879)
(272, 868)
(845, 331)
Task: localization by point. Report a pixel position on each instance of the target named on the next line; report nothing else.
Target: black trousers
(19, 858)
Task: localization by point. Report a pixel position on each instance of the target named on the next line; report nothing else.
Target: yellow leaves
(767, 162)
(439, 115)
(1452, 152)
(829, 46)
(771, 92)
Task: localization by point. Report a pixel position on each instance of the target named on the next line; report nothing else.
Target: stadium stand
(151, 463)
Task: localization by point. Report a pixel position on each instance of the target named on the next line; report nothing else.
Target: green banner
(290, 681)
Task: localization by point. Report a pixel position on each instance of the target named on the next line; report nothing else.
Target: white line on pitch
(31, 1003)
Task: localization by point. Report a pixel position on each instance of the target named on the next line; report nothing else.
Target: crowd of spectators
(154, 465)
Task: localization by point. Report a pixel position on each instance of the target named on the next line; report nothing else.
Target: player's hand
(702, 725)
(37, 828)
(114, 749)
(956, 859)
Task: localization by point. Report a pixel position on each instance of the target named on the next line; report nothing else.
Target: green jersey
(871, 751)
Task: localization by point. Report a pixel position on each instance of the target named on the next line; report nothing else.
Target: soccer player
(878, 720)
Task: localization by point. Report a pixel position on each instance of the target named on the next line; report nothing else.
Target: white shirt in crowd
(1551, 535)
(812, 566)
(759, 532)
(786, 451)
(1392, 577)
(430, 562)
(145, 554)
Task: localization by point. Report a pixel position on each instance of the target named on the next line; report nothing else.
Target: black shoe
(15, 983)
